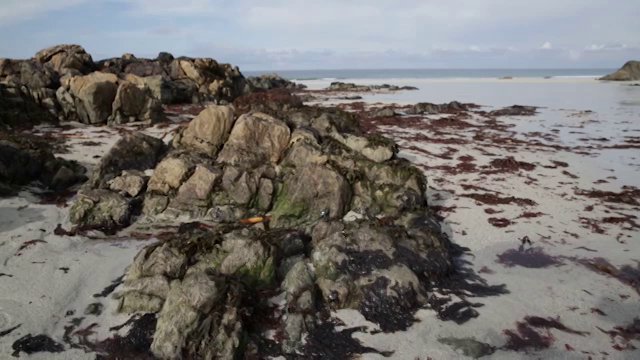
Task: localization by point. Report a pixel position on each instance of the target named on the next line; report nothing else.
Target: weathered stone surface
(248, 259)
(312, 193)
(94, 95)
(101, 209)
(196, 191)
(265, 194)
(65, 58)
(209, 130)
(134, 104)
(168, 175)
(154, 204)
(378, 151)
(135, 151)
(240, 186)
(130, 182)
(255, 139)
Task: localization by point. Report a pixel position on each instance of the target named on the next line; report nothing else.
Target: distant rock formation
(273, 81)
(630, 71)
(341, 86)
(65, 81)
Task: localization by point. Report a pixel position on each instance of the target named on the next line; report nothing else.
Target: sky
(335, 34)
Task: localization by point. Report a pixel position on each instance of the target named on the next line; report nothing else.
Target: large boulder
(170, 173)
(208, 131)
(133, 103)
(101, 209)
(311, 193)
(94, 95)
(135, 151)
(630, 71)
(102, 97)
(66, 59)
(256, 139)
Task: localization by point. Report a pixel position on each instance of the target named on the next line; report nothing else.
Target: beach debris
(30, 344)
(255, 220)
(499, 222)
(528, 335)
(526, 240)
(27, 244)
(469, 346)
(94, 309)
(9, 331)
(623, 335)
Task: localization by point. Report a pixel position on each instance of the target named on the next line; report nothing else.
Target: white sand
(39, 294)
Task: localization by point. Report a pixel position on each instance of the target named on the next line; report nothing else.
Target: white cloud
(607, 47)
(328, 33)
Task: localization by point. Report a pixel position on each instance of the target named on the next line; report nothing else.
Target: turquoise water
(432, 73)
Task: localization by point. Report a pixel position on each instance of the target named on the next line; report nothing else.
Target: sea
(342, 74)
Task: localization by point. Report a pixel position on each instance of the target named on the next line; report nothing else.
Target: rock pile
(65, 81)
(289, 199)
(341, 86)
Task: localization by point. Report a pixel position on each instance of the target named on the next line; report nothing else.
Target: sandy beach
(546, 206)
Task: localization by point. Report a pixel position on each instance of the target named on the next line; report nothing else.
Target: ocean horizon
(341, 74)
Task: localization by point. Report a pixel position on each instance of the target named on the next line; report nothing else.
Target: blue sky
(325, 34)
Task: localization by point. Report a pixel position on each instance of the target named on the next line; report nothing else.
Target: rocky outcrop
(630, 71)
(429, 108)
(100, 98)
(273, 81)
(515, 110)
(65, 81)
(135, 151)
(66, 59)
(179, 80)
(351, 87)
(297, 201)
(208, 131)
(256, 139)
(27, 159)
(19, 110)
